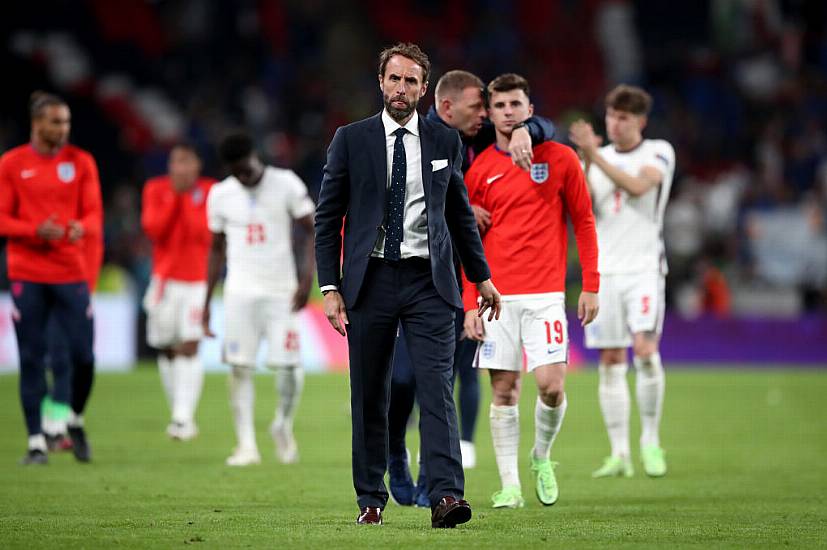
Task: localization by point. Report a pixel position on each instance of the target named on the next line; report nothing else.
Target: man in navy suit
(395, 180)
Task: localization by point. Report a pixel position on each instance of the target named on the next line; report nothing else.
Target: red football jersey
(34, 187)
(176, 223)
(526, 243)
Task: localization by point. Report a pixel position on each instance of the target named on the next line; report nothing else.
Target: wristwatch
(518, 125)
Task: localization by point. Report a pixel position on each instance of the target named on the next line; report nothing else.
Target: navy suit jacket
(353, 191)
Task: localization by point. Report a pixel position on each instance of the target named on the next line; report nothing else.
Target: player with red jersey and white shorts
(174, 217)
(50, 205)
(629, 180)
(251, 215)
(526, 249)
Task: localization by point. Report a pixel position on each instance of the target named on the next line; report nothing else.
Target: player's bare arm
(334, 310)
(215, 265)
(308, 264)
(520, 148)
(587, 307)
(582, 135)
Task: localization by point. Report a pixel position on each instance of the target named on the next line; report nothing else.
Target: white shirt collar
(391, 125)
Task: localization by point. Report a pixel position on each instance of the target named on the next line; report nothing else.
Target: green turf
(746, 451)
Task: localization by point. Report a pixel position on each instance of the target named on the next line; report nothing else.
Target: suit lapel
(379, 157)
(427, 145)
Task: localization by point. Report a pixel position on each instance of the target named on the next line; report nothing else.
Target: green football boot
(615, 466)
(544, 481)
(509, 497)
(654, 461)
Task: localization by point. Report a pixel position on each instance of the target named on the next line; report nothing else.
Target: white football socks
(165, 370)
(613, 394)
(188, 376)
(289, 385)
(651, 385)
(242, 399)
(505, 433)
(547, 422)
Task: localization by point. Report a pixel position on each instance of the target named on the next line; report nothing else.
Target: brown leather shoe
(450, 512)
(369, 516)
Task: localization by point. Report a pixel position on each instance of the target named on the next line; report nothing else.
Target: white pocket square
(439, 164)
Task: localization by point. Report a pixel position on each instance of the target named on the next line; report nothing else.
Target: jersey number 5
(255, 233)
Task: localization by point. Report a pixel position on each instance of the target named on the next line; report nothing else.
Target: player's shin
(613, 394)
(242, 398)
(651, 384)
(289, 385)
(505, 434)
(547, 423)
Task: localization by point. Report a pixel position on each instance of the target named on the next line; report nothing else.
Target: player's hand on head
(50, 230)
(520, 148)
(587, 307)
(489, 300)
(75, 231)
(334, 310)
(473, 327)
(483, 218)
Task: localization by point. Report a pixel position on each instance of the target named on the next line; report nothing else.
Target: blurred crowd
(740, 90)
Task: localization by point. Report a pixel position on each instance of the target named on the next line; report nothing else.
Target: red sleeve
(579, 206)
(469, 294)
(159, 210)
(93, 255)
(10, 224)
(91, 206)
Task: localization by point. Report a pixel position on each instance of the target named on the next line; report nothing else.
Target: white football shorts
(629, 303)
(535, 323)
(173, 311)
(250, 320)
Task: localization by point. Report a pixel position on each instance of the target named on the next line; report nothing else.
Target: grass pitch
(746, 452)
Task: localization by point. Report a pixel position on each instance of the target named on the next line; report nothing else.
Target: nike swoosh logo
(26, 174)
(492, 179)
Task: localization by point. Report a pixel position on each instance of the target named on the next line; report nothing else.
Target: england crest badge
(539, 172)
(66, 171)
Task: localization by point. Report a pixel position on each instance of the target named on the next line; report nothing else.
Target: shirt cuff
(325, 288)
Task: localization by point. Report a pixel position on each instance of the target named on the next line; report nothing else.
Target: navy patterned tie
(395, 208)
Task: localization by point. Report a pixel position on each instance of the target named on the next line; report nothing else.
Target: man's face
(53, 125)
(623, 127)
(184, 167)
(508, 108)
(466, 111)
(402, 86)
(248, 170)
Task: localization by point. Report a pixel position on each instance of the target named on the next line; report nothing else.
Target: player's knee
(649, 365)
(551, 391)
(505, 394)
(645, 345)
(187, 349)
(612, 356)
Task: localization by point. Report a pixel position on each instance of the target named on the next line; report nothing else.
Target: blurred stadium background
(740, 90)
